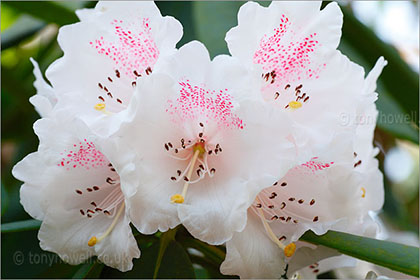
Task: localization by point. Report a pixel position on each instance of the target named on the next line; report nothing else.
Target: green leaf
(401, 82)
(213, 253)
(165, 239)
(156, 261)
(20, 226)
(91, 269)
(22, 29)
(392, 255)
(46, 10)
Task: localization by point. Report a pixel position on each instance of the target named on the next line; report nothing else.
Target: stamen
(179, 198)
(363, 192)
(289, 249)
(93, 240)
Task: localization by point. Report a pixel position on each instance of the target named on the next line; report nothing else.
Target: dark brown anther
(288, 219)
(287, 106)
(179, 172)
(148, 70)
(271, 206)
(299, 87)
(98, 209)
(358, 163)
(275, 217)
(79, 192)
(355, 154)
(282, 218)
(107, 212)
(112, 169)
(258, 205)
(96, 188)
(276, 95)
(303, 95)
(109, 94)
(176, 151)
(134, 83)
(105, 89)
(306, 99)
(291, 199)
(198, 172)
(173, 178)
(283, 184)
(166, 147)
(295, 221)
(275, 183)
(119, 101)
(89, 215)
(273, 195)
(300, 201)
(109, 79)
(283, 204)
(316, 270)
(201, 124)
(212, 171)
(200, 134)
(82, 212)
(312, 202)
(109, 180)
(315, 219)
(117, 73)
(210, 152)
(100, 86)
(91, 211)
(136, 73)
(282, 238)
(93, 203)
(201, 166)
(101, 98)
(170, 145)
(89, 189)
(287, 86)
(186, 179)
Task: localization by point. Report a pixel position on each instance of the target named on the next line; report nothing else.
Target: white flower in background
(74, 189)
(115, 43)
(207, 143)
(294, 45)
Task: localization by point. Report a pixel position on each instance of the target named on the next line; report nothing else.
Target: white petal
(304, 18)
(119, 248)
(251, 254)
(45, 98)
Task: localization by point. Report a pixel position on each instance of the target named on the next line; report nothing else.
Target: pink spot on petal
(196, 102)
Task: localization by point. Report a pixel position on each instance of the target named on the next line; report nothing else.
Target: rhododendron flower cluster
(247, 150)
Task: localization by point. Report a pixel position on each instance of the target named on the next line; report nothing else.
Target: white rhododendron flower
(74, 189)
(207, 143)
(336, 189)
(115, 43)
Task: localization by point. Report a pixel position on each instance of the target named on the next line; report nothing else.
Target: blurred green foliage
(29, 29)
